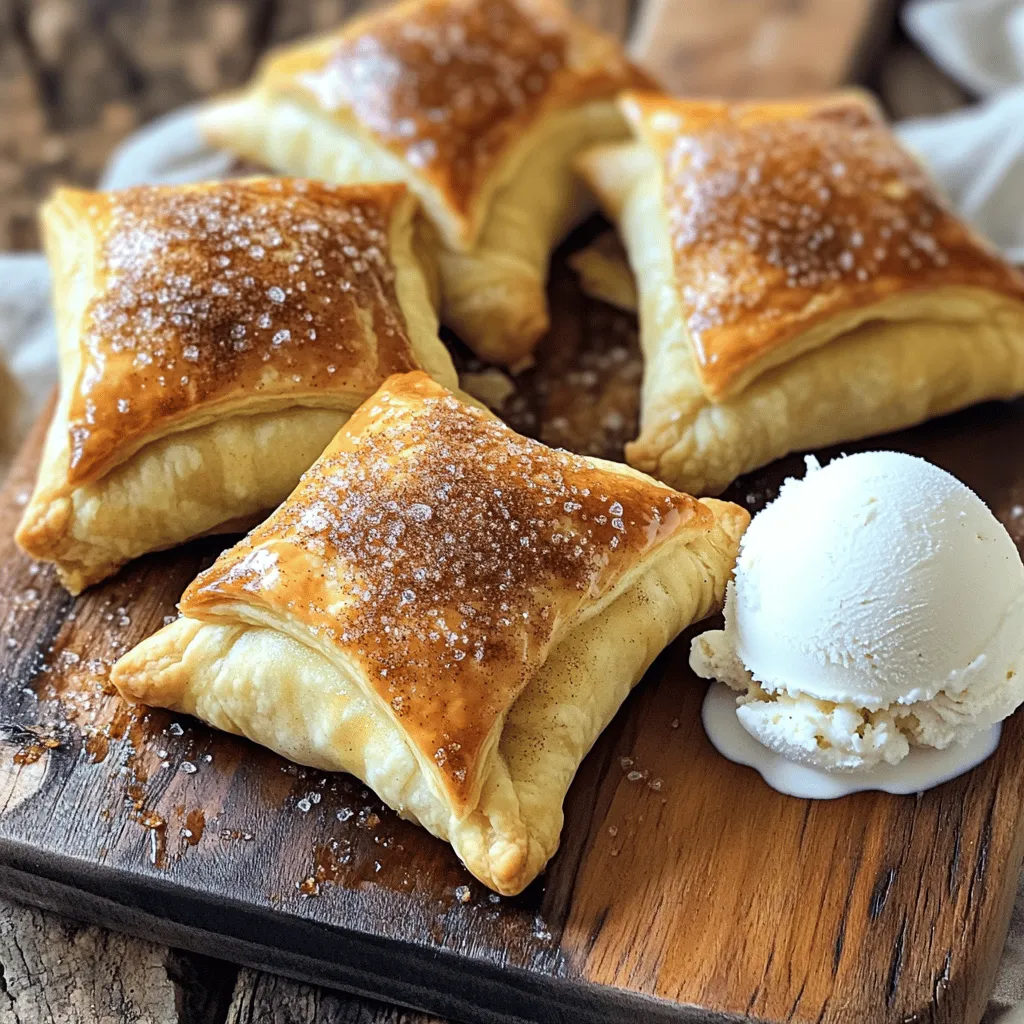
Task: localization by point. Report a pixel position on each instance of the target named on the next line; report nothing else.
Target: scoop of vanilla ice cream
(876, 604)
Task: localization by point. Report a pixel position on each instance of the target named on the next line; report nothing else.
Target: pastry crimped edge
(515, 828)
(157, 495)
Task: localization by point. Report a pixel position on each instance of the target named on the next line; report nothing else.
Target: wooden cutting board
(685, 889)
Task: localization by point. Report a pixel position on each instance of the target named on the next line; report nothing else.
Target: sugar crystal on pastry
(451, 547)
(213, 338)
(447, 86)
(246, 275)
(818, 204)
(488, 602)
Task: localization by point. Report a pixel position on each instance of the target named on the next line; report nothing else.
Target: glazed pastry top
(450, 86)
(210, 295)
(783, 215)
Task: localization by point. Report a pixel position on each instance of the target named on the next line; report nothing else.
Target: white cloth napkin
(977, 155)
(980, 43)
(27, 348)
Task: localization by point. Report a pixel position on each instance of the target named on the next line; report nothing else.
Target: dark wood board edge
(479, 991)
(1002, 914)
(437, 983)
(440, 982)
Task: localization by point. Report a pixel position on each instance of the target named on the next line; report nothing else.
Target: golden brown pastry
(801, 283)
(212, 340)
(479, 105)
(448, 610)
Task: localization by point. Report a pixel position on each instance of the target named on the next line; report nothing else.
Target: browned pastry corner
(479, 107)
(801, 282)
(449, 610)
(212, 340)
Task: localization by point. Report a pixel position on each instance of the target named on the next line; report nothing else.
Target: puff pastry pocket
(213, 338)
(800, 281)
(479, 107)
(447, 610)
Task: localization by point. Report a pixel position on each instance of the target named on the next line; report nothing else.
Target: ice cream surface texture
(877, 604)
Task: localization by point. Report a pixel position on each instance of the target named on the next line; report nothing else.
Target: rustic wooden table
(76, 76)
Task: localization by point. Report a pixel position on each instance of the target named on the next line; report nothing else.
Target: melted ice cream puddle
(923, 768)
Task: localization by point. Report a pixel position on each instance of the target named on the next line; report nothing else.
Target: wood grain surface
(685, 888)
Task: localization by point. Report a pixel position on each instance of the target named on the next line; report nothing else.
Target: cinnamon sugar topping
(450, 84)
(445, 554)
(216, 291)
(770, 218)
